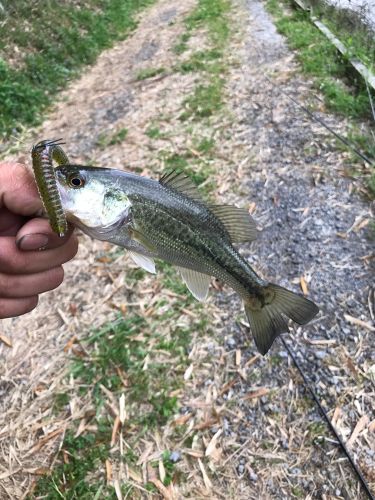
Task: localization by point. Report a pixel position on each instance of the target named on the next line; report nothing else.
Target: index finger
(18, 191)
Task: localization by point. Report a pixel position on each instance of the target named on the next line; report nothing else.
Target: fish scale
(169, 220)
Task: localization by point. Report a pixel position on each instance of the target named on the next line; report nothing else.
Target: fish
(169, 220)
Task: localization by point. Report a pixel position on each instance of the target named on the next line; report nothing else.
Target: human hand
(31, 254)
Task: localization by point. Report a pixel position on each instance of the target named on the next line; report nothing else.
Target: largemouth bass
(169, 220)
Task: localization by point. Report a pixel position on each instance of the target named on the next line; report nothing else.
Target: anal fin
(196, 282)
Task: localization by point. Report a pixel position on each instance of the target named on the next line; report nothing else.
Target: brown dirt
(266, 440)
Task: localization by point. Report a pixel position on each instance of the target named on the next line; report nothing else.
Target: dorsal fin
(237, 221)
(182, 183)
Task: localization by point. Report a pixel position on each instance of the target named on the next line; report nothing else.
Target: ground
(249, 428)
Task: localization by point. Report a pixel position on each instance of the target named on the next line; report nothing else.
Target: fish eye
(76, 181)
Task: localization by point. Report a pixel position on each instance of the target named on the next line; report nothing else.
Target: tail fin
(266, 314)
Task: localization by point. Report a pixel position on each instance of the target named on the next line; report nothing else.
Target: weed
(205, 145)
(297, 491)
(169, 467)
(206, 98)
(105, 140)
(181, 46)
(60, 402)
(84, 455)
(149, 73)
(174, 161)
(344, 91)
(351, 27)
(117, 350)
(205, 101)
(51, 59)
(155, 133)
(134, 355)
(371, 227)
(205, 60)
(318, 57)
(316, 429)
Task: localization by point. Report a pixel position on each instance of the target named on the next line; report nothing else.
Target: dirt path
(313, 225)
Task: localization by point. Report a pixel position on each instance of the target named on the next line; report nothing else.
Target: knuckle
(10, 286)
(74, 244)
(57, 277)
(71, 248)
(31, 303)
(11, 260)
(16, 307)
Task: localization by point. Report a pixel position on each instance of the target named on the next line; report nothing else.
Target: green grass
(350, 27)
(205, 101)
(149, 73)
(154, 132)
(53, 42)
(119, 350)
(122, 347)
(207, 98)
(343, 89)
(104, 140)
(209, 61)
(196, 168)
(211, 16)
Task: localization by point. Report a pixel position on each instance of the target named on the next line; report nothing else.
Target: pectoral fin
(196, 282)
(146, 263)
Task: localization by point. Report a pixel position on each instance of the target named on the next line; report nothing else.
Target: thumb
(18, 191)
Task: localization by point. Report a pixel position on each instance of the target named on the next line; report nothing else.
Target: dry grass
(243, 426)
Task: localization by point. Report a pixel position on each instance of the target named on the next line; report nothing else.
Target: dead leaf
(108, 470)
(182, 420)
(212, 444)
(206, 479)
(116, 427)
(361, 424)
(162, 473)
(5, 340)
(70, 343)
(303, 284)
(188, 372)
(262, 391)
(359, 322)
(238, 357)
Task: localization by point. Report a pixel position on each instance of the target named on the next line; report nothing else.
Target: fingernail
(35, 241)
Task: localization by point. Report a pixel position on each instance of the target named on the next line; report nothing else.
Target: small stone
(240, 469)
(253, 476)
(320, 354)
(185, 409)
(284, 444)
(231, 343)
(175, 456)
(296, 470)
